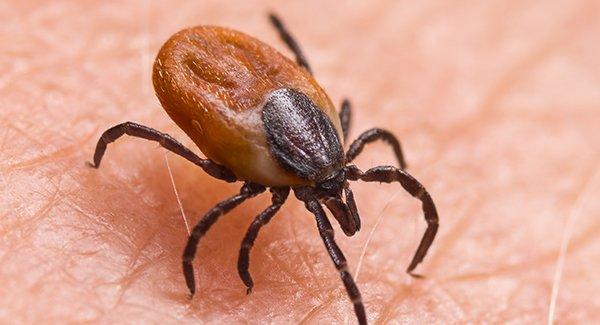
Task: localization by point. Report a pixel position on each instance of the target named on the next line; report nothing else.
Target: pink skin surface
(497, 105)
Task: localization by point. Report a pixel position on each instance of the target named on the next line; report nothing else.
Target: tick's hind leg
(326, 232)
(166, 141)
(389, 174)
(373, 135)
(248, 190)
(290, 41)
(280, 194)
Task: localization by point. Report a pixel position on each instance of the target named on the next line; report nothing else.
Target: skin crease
(497, 106)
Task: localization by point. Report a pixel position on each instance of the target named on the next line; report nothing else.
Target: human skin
(497, 106)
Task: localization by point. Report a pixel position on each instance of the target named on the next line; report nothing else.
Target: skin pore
(496, 106)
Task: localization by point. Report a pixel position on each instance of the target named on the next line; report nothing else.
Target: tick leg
(326, 232)
(345, 117)
(280, 194)
(166, 141)
(373, 135)
(289, 41)
(248, 190)
(389, 174)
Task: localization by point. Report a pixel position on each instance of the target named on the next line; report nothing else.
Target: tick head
(330, 192)
(333, 185)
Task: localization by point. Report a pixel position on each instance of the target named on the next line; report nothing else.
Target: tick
(262, 119)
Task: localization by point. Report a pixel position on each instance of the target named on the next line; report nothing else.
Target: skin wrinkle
(576, 244)
(324, 302)
(114, 234)
(53, 157)
(542, 259)
(303, 252)
(28, 227)
(71, 77)
(317, 309)
(110, 229)
(526, 64)
(149, 310)
(498, 91)
(3, 142)
(516, 268)
(453, 235)
(387, 310)
(23, 133)
(127, 280)
(36, 216)
(441, 294)
(292, 274)
(509, 300)
(141, 245)
(145, 55)
(504, 85)
(122, 185)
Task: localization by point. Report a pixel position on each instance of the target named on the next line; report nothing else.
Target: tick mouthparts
(342, 214)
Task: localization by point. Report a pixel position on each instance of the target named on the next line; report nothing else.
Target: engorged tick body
(263, 119)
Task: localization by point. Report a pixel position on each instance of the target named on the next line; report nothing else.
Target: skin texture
(497, 106)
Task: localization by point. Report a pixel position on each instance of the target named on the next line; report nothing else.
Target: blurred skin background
(497, 105)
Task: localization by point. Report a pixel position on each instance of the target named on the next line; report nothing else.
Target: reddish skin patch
(506, 147)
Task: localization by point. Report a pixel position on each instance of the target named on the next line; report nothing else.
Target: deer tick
(262, 119)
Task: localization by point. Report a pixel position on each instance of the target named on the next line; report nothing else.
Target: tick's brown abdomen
(214, 81)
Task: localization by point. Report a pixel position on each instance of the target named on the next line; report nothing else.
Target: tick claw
(248, 290)
(416, 276)
(90, 164)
